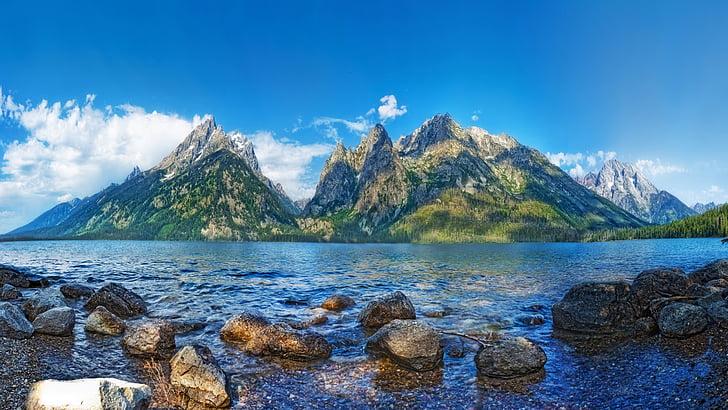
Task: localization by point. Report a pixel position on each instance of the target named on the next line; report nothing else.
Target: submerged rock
(595, 307)
(13, 323)
(196, 375)
(656, 283)
(149, 338)
(118, 300)
(317, 320)
(75, 291)
(9, 292)
(282, 340)
(412, 344)
(385, 309)
(57, 322)
(42, 301)
(104, 322)
(509, 357)
(244, 326)
(88, 394)
(337, 302)
(718, 269)
(682, 320)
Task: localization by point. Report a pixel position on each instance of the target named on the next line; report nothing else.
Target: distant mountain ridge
(702, 208)
(624, 184)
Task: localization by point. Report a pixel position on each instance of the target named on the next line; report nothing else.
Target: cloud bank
(580, 164)
(389, 109)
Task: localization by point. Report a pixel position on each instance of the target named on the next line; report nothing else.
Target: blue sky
(645, 81)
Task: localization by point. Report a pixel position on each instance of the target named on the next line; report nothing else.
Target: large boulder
(654, 284)
(718, 313)
(9, 292)
(118, 300)
(42, 301)
(150, 338)
(412, 344)
(718, 269)
(13, 277)
(682, 320)
(337, 301)
(195, 374)
(88, 394)
(57, 322)
(104, 322)
(75, 291)
(244, 326)
(595, 307)
(509, 357)
(385, 309)
(283, 341)
(13, 323)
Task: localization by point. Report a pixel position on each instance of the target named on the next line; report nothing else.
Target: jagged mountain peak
(432, 132)
(134, 173)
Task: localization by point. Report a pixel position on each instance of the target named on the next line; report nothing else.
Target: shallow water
(484, 287)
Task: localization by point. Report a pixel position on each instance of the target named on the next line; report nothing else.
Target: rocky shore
(663, 308)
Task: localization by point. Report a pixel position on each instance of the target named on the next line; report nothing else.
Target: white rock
(88, 394)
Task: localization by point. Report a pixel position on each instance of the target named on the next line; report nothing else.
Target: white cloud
(564, 159)
(360, 125)
(287, 162)
(74, 150)
(579, 164)
(475, 117)
(389, 109)
(656, 167)
(577, 171)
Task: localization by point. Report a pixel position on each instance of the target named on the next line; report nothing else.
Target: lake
(482, 287)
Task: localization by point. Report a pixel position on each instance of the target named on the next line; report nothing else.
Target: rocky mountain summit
(701, 208)
(625, 185)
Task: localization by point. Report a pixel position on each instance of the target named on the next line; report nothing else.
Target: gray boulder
(13, 323)
(718, 269)
(88, 394)
(150, 338)
(595, 307)
(385, 309)
(104, 322)
(645, 326)
(57, 322)
(509, 357)
(42, 301)
(412, 344)
(654, 284)
(244, 326)
(118, 300)
(283, 341)
(194, 373)
(337, 302)
(718, 313)
(13, 277)
(682, 320)
(9, 292)
(75, 291)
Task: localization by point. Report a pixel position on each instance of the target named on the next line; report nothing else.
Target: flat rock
(57, 322)
(682, 320)
(104, 322)
(13, 323)
(149, 338)
(338, 302)
(75, 291)
(9, 292)
(196, 375)
(42, 301)
(412, 344)
(595, 307)
(656, 283)
(283, 341)
(385, 309)
(118, 300)
(509, 357)
(244, 326)
(88, 394)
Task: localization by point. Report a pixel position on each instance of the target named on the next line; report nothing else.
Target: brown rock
(104, 322)
(196, 374)
(337, 302)
(149, 338)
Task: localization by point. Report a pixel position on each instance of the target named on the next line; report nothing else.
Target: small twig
(481, 342)
(671, 299)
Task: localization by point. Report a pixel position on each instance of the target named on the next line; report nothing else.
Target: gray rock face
(13, 323)
(385, 309)
(244, 326)
(718, 312)
(337, 184)
(682, 320)
(410, 343)
(625, 185)
(42, 301)
(337, 302)
(13, 277)
(104, 322)
(196, 374)
(118, 300)
(282, 340)
(9, 292)
(75, 291)
(656, 283)
(88, 394)
(57, 322)
(508, 358)
(718, 269)
(149, 338)
(595, 307)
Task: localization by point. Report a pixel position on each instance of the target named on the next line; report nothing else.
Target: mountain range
(441, 183)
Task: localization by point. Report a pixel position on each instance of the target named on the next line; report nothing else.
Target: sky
(89, 90)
